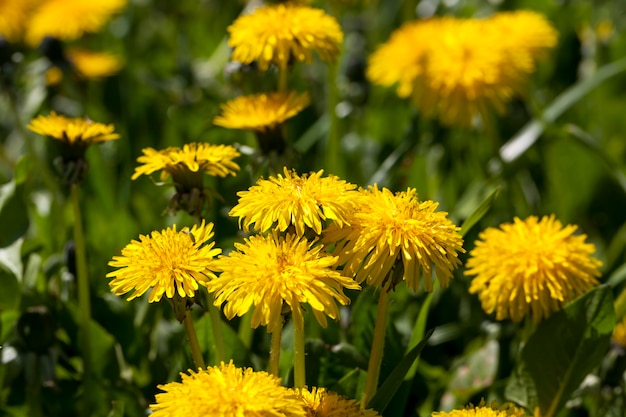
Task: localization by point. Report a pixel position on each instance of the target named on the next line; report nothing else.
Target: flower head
(396, 232)
(261, 112)
(69, 19)
(94, 65)
(169, 262)
(619, 333)
(273, 272)
(323, 403)
(224, 391)
(191, 159)
(456, 69)
(14, 18)
(484, 410)
(284, 32)
(305, 201)
(531, 267)
(72, 131)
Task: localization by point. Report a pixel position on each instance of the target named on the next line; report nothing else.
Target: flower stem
(196, 354)
(283, 80)
(277, 334)
(334, 157)
(246, 332)
(378, 344)
(216, 326)
(299, 375)
(84, 297)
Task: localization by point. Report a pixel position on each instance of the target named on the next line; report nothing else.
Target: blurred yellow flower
(619, 333)
(261, 112)
(72, 131)
(484, 410)
(303, 202)
(531, 267)
(69, 19)
(282, 33)
(323, 403)
(169, 262)
(192, 158)
(94, 65)
(273, 272)
(14, 16)
(396, 232)
(456, 69)
(225, 391)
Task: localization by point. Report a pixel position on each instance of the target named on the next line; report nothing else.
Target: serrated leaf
(387, 390)
(479, 211)
(562, 351)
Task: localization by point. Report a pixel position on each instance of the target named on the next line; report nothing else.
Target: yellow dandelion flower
(456, 69)
(531, 267)
(284, 32)
(225, 391)
(94, 65)
(72, 131)
(169, 262)
(261, 112)
(192, 158)
(388, 230)
(484, 410)
(619, 333)
(272, 272)
(69, 19)
(303, 202)
(323, 403)
(14, 17)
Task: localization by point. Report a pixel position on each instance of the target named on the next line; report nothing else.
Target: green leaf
(479, 211)
(13, 214)
(562, 351)
(419, 329)
(529, 134)
(387, 390)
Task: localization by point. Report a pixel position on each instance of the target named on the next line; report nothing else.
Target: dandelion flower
(69, 19)
(284, 32)
(225, 391)
(483, 410)
(169, 262)
(72, 131)
(388, 230)
(261, 112)
(619, 333)
(94, 65)
(456, 69)
(192, 159)
(323, 403)
(531, 267)
(305, 201)
(273, 272)
(14, 17)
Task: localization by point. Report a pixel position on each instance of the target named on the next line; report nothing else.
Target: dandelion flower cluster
(72, 131)
(484, 410)
(261, 112)
(281, 33)
(305, 201)
(216, 160)
(531, 267)
(69, 19)
(169, 262)
(272, 272)
(224, 391)
(388, 230)
(456, 69)
(323, 403)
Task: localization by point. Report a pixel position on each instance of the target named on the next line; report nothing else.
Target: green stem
(334, 157)
(283, 80)
(246, 331)
(84, 297)
(378, 344)
(196, 354)
(216, 326)
(277, 334)
(299, 375)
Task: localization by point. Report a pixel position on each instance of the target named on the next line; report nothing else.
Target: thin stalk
(196, 353)
(283, 80)
(216, 326)
(378, 344)
(277, 334)
(246, 331)
(299, 375)
(84, 297)
(334, 157)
